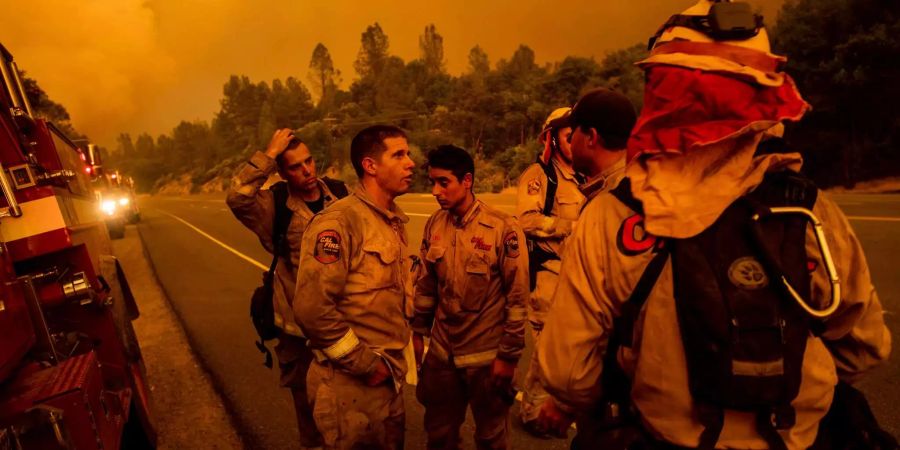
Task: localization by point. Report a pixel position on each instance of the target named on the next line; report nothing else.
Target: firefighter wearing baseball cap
(658, 268)
(549, 202)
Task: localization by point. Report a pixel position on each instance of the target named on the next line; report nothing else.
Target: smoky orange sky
(144, 65)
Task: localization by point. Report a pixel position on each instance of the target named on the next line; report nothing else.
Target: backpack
(262, 307)
(537, 256)
(743, 333)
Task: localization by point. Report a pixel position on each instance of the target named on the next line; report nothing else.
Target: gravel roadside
(187, 411)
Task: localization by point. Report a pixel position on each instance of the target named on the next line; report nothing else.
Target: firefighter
(256, 209)
(601, 122)
(470, 299)
(713, 93)
(356, 280)
(548, 203)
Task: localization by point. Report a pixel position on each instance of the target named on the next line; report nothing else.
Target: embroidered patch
(328, 247)
(748, 273)
(632, 239)
(480, 245)
(534, 186)
(511, 242)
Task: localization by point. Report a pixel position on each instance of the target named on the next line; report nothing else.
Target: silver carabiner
(826, 256)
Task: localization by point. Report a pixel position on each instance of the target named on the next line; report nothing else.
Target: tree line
(844, 55)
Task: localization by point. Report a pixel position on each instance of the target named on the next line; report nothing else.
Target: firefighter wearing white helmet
(549, 202)
(714, 298)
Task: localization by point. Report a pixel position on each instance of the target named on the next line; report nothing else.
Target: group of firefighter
(671, 303)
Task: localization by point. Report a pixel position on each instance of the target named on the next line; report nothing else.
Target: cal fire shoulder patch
(511, 242)
(328, 247)
(534, 186)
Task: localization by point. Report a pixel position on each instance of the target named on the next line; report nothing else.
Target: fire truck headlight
(108, 206)
(123, 201)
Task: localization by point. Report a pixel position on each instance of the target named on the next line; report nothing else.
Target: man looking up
(301, 195)
(470, 299)
(356, 283)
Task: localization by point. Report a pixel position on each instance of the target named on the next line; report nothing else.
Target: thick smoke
(143, 65)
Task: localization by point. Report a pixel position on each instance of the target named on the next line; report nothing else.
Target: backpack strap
(552, 184)
(279, 229)
(282, 219)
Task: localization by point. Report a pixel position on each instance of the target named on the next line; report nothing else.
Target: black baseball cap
(609, 112)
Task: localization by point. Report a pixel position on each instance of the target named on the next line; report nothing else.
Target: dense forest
(844, 55)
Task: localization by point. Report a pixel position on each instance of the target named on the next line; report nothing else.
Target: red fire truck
(71, 371)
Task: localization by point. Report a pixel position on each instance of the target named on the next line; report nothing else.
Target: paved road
(209, 264)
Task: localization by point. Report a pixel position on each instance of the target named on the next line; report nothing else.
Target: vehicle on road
(71, 370)
(114, 192)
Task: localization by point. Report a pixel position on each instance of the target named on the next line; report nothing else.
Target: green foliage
(431, 46)
(844, 57)
(324, 76)
(46, 108)
(373, 52)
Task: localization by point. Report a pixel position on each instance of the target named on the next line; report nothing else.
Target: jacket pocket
(380, 264)
(477, 280)
(568, 206)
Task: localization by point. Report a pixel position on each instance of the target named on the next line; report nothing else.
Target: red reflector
(88, 170)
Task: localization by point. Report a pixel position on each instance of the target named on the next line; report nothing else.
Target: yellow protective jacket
(548, 231)
(473, 287)
(255, 208)
(597, 277)
(356, 282)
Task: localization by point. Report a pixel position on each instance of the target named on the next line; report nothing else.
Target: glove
(553, 420)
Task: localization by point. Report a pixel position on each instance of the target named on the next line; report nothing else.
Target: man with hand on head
(278, 216)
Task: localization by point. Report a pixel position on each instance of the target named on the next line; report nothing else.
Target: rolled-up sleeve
(251, 205)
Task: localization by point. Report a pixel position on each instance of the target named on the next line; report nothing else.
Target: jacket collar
(296, 203)
(604, 181)
(394, 213)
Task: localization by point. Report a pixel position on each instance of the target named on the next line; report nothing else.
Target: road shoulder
(186, 409)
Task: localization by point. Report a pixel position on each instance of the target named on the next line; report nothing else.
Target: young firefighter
(470, 298)
(356, 282)
(707, 268)
(302, 195)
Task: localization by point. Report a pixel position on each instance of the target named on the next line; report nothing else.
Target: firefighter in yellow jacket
(548, 203)
(686, 170)
(356, 282)
(255, 208)
(470, 299)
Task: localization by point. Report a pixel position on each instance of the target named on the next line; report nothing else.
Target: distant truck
(71, 370)
(115, 194)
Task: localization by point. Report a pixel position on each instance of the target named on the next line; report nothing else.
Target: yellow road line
(221, 244)
(874, 218)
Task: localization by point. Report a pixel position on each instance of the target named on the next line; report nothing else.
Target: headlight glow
(123, 201)
(108, 206)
